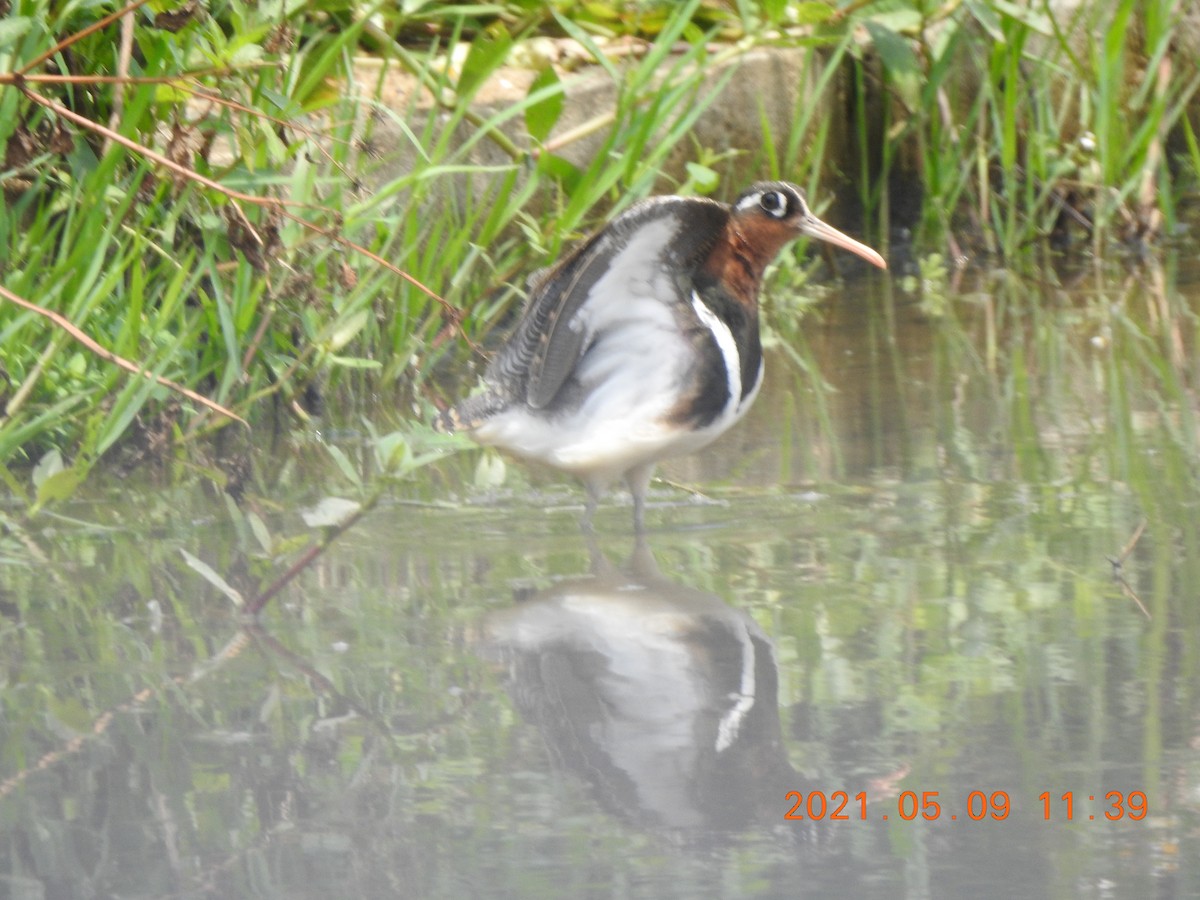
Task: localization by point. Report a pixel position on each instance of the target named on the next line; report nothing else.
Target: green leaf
(1030, 18)
(245, 55)
(894, 50)
(542, 115)
(585, 39)
(58, 486)
(69, 713)
(347, 330)
(355, 362)
(261, 533)
(602, 11)
(905, 20)
(561, 170)
(209, 574)
(344, 465)
(488, 51)
(774, 9)
(702, 178)
(13, 29)
(813, 13)
(277, 151)
(987, 19)
(393, 453)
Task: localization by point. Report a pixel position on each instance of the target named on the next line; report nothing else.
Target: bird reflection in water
(662, 697)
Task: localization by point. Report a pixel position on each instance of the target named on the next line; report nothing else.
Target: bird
(643, 342)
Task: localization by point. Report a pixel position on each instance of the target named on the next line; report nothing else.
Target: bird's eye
(774, 204)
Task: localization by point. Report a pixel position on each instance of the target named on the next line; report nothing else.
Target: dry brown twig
(1119, 561)
(23, 78)
(237, 198)
(70, 328)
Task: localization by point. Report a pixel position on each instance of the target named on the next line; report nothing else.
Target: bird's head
(769, 214)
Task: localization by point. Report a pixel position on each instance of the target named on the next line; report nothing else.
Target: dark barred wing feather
(538, 359)
(550, 341)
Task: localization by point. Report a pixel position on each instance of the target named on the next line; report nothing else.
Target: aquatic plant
(193, 194)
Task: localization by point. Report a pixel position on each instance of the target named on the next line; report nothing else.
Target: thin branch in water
(305, 559)
(1132, 542)
(1119, 561)
(75, 744)
(1129, 592)
(101, 723)
(322, 682)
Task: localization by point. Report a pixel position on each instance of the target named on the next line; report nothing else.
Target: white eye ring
(774, 204)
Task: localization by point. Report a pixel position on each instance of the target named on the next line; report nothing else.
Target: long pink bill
(815, 228)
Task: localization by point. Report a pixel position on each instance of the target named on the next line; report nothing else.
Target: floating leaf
(330, 512)
(51, 463)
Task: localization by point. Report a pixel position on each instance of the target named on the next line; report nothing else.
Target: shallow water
(907, 589)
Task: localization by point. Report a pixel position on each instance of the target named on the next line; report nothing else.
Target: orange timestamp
(842, 806)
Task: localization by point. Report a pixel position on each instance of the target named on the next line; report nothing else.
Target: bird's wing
(636, 250)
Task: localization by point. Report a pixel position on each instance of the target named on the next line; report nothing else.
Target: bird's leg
(589, 508)
(599, 564)
(641, 560)
(638, 480)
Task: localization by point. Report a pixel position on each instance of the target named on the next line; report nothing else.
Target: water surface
(905, 591)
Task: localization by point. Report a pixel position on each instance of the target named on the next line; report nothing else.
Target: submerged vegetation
(217, 198)
(936, 596)
(970, 537)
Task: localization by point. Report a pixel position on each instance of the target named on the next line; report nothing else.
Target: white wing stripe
(729, 352)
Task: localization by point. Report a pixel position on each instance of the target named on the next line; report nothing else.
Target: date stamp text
(976, 806)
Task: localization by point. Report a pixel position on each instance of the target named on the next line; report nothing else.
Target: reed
(205, 209)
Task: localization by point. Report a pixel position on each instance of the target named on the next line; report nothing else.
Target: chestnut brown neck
(743, 252)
